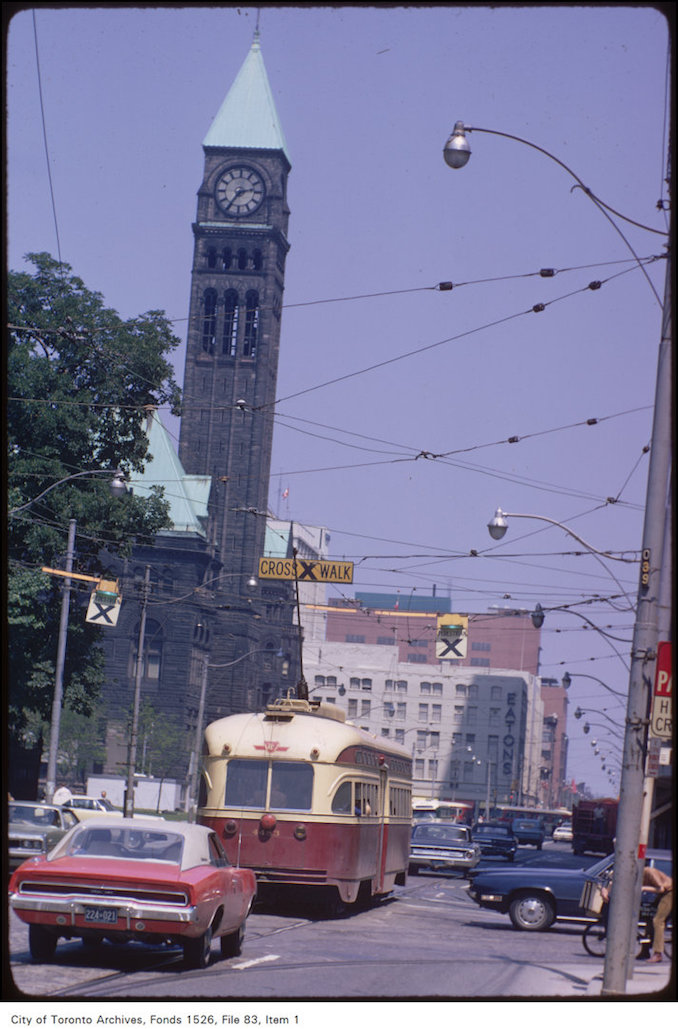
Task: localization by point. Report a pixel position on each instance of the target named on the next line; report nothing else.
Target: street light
(567, 682)
(498, 526)
(631, 829)
(118, 488)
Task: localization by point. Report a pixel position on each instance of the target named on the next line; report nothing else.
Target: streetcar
(429, 808)
(308, 800)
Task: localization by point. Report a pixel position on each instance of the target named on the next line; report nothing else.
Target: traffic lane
(429, 940)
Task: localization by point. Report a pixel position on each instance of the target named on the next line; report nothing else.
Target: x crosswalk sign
(104, 604)
(451, 637)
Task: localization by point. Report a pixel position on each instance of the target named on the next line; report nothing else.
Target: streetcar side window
(291, 785)
(246, 783)
(341, 801)
(366, 798)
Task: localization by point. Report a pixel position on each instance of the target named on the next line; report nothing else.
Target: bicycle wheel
(594, 939)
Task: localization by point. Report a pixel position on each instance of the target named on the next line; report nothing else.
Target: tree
(80, 380)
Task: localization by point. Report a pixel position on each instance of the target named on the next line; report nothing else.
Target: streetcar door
(382, 838)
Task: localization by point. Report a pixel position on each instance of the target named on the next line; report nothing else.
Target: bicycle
(594, 936)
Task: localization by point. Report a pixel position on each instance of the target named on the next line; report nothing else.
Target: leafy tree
(80, 380)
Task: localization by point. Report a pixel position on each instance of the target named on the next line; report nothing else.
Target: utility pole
(629, 854)
(57, 700)
(128, 806)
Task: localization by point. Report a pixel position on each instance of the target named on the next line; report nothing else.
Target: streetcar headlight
(300, 832)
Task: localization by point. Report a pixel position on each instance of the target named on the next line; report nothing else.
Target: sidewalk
(585, 979)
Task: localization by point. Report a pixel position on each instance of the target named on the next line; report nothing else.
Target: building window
(458, 712)
(389, 709)
(460, 689)
(366, 684)
(419, 768)
(417, 659)
(495, 693)
(480, 662)
(354, 638)
(425, 687)
(354, 683)
(352, 708)
(389, 685)
(423, 712)
(494, 716)
(470, 739)
(400, 735)
(251, 323)
(437, 688)
(471, 715)
(433, 768)
(401, 686)
(209, 320)
(319, 680)
(481, 646)
(469, 768)
(229, 343)
(436, 712)
(384, 641)
(385, 732)
(331, 680)
(473, 692)
(434, 740)
(211, 258)
(365, 708)
(401, 711)
(421, 739)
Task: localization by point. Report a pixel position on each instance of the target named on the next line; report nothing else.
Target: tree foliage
(80, 380)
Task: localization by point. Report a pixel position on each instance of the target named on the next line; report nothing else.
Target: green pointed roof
(187, 495)
(248, 118)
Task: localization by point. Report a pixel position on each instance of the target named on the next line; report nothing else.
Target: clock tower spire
(240, 247)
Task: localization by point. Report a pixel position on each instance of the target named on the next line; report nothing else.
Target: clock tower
(230, 380)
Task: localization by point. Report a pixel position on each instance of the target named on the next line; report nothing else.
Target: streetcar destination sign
(305, 571)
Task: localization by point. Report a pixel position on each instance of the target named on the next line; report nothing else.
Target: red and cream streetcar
(306, 799)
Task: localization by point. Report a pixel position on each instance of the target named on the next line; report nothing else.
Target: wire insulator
(596, 284)
(538, 308)
(442, 286)
(547, 273)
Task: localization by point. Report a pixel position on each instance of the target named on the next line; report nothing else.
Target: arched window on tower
(230, 339)
(251, 323)
(209, 322)
(211, 258)
(242, 259)
(227, 258)
(257, 260)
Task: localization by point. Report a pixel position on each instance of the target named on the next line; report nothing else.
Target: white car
(563, 833)
(98, 807)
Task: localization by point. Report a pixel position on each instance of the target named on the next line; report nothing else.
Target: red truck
(594, 824)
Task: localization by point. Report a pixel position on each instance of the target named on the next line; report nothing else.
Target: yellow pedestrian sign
(305, 571)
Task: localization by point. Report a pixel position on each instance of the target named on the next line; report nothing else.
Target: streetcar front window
(291, 785)
(341, 801)
(246, 783)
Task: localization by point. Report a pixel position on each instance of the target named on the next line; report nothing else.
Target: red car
(127, 879)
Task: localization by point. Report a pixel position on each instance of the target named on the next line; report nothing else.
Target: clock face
(240, 190)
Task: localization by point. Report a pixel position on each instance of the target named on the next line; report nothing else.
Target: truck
(594, 824)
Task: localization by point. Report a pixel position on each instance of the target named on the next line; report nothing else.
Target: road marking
(257, 961)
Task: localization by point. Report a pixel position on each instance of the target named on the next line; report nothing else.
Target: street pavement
(585, 979)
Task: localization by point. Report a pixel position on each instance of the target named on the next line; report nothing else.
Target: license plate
(109, 916)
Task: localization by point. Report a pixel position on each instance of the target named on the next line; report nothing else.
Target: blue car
(495, 839)
(536, 896)
(529, 830)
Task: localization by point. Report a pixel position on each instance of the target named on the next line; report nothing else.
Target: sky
(405, 459)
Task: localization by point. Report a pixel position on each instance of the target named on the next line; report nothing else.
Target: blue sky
(366, 98)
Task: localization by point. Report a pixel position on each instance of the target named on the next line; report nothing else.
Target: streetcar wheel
(231, 945)
(197, 951)
(594, 939)
(42, 943)
(531, 912)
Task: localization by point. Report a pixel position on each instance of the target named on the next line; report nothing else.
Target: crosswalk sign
(104, 603)
(451, 637)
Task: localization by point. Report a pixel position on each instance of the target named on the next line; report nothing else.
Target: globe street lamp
(630, 838)
(567, 682)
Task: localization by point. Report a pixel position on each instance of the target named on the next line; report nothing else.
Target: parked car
(442, 845)
(528, 830)
(537, 896)
(125, 879)
(563, 833)
(35, 828)
(495, 838)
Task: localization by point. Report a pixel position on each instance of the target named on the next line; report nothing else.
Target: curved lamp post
(567, 682)
(631, 832)
(498, 526)
(117, 486)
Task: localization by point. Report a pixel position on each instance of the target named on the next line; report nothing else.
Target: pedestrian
(62, 794)
(658, 882)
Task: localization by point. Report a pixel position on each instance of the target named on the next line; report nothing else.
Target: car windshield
(440, 834)
(132, 844)
(39, 816)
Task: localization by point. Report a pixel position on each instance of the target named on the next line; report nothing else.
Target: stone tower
(230, 380)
